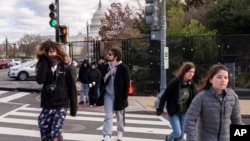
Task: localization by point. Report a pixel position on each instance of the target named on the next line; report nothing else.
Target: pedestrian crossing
(22, 121)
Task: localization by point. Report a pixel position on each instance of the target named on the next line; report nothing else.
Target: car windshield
(28, 63)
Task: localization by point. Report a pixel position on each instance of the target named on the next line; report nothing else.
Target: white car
(14, 61)
(23, 71)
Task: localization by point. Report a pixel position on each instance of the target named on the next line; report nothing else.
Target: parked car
(26, 60)
(23, 71)
(14, 61)
(4, 64)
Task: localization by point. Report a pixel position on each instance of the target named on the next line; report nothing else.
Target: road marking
(143, 130)
(13, 97)
(82, 118)
(3, 92)
(66, 136)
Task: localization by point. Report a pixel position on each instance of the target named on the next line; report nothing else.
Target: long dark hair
(205, 84)
(185, 67)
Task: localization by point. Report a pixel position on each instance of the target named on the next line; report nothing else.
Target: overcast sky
(19, 17)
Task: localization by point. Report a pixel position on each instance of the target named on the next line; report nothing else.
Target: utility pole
(6, 49)
(163, 84)
(14, 44)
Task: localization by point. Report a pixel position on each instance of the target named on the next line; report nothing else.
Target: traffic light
(53, 15)
(63, 30)
(151, 12)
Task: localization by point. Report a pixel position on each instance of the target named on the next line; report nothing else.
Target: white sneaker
(107, 138)
(119, 135)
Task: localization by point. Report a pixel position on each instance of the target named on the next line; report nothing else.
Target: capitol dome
(96, 20)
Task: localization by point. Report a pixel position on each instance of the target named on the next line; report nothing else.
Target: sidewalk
(137, 104)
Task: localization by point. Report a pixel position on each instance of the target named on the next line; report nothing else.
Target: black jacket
(82, 72)
(94, 75)
(65, 94)
(121, 86)
(171, 95)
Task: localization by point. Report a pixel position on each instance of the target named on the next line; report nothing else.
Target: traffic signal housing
(63, 33)
(53, 15)
(151, 11)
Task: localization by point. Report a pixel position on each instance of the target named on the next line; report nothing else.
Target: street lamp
(14, 44)
(87, 24)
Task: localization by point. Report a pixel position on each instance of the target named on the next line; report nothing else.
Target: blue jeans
(177, 124)
(84, 92)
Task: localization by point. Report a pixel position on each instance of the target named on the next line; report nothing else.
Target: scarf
(112, 70)
(53, 60)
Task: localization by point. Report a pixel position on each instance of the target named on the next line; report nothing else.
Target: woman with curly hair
(58, 91)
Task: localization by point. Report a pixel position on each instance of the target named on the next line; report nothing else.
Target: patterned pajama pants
(50, 122)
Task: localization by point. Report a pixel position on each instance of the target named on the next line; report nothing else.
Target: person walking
(178, 95)
(93, 77)
(58, 92)
(100, 65)
(214, 109)
(114, 88)
(84, 88)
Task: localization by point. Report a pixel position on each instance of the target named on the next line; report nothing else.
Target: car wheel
(23, 76)
(3, 67)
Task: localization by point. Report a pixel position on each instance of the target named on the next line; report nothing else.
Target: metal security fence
(142, 56)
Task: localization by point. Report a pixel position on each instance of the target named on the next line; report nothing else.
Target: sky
(19, 17)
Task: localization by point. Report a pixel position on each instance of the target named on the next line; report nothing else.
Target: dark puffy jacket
(82, 72)
(212, 116)
(94, 75)
(65, 94)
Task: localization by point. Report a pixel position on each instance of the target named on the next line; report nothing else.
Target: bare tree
(28, 43)
(117, 24)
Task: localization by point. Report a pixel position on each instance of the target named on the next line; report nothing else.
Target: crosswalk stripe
(100, 119)
(160, 126)
(98, 113)
(3, 92)
(143, 130)
(66, 136)
(13, 97)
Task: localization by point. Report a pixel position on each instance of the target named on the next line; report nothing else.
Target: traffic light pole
(163, 84)
(58, 23)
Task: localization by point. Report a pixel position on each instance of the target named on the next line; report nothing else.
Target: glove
(90, 85)
(93, 83)
(159, 112)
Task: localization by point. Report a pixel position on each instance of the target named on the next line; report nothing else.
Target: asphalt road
(4, 76)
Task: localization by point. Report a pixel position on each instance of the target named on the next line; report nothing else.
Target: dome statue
(96, 20)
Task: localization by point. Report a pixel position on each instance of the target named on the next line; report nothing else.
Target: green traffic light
(53, 23)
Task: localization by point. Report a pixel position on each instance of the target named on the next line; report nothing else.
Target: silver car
(23, 71)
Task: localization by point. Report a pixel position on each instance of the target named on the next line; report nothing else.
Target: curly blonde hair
(44, 47)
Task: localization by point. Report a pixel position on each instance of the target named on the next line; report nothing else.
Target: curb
(37, 90)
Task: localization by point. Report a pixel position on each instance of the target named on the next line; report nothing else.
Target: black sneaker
(166, 138)
(81, 102)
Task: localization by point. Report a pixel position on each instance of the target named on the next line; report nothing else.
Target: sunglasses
(110, 54)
